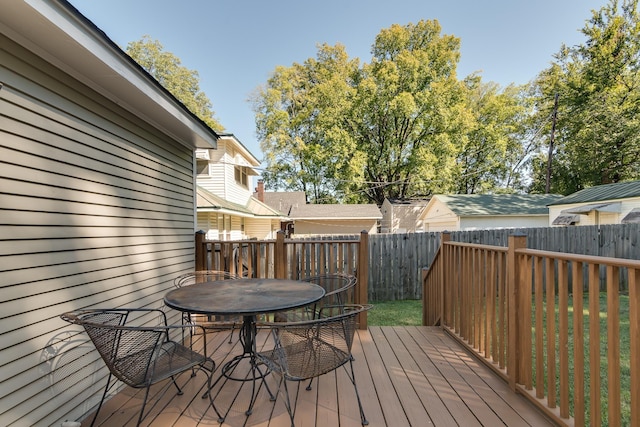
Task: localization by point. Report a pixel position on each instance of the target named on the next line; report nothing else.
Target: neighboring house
(312, 219)
(226, 207)
(617, 203)
(486, 211)
(282, 201)
(304, 219)
(402, 216)
(97, 185)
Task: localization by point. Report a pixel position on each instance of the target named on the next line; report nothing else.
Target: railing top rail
(478, 246)
(297, 241)
(591, 259)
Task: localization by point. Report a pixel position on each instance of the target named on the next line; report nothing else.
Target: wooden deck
(407, 376)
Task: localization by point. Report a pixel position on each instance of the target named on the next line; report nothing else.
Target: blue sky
(235, 44)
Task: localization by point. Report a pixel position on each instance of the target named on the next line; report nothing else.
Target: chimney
(260, 190)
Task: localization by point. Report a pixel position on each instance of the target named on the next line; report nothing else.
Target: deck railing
(289, 259)
(539, 320)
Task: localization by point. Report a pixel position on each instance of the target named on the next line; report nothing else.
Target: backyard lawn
(396, 313)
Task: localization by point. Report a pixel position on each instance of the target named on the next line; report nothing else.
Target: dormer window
(241, 177)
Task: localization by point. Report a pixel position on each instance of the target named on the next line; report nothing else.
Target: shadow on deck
(407, 376)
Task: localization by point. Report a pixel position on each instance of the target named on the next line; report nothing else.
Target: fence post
(280, 256)
(444, 238)
(362, 291)
(515, 333)
(201, 253)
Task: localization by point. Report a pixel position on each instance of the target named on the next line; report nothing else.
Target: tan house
(312, 219)
(306, 219)
(486, 211)
(402, 216)
(617, 203)
(97, 185)
(226, 207)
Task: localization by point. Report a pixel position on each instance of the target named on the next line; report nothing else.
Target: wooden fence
(289, 259)
(396, 261)
(575, 355)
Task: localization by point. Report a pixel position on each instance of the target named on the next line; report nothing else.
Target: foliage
(400, 126)
(298, 120)
(598, 84)
(183, 83)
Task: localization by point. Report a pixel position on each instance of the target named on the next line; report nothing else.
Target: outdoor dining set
(310, 322)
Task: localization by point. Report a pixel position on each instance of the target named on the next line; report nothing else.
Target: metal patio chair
(208, 322)
(307, 349)
(137, 354)
(337, 287)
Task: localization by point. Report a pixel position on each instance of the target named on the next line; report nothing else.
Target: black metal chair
(337, 287)
(307, 349)
(208, 322)
(137, 354)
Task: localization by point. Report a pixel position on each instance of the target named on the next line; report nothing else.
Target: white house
(617, 203)
(486, 211)
(226, 207)
(402, 216)
(97, 188)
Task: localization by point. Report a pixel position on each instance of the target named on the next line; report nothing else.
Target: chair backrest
(126, 350)
(326, 341)
(202, 276)
(337, 287)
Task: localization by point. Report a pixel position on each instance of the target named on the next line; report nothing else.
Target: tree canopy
(400, 126)
(182, 82)
(598, 114)
(404, 125)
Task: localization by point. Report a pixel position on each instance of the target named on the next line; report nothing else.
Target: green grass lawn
(395, 313)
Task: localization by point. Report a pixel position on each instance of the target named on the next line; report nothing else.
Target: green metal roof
(599, 193)
(498, 204)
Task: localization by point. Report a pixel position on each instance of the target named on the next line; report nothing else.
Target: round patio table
(247, 298)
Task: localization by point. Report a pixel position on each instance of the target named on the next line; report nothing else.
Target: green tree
(598, 83)
(491, 156)
(408, 112)
(401, 126)
(183, 83)
(299, 117)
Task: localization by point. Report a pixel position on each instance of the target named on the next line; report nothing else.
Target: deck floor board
(407, 376)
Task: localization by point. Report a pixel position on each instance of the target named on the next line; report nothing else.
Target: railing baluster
(578, 343)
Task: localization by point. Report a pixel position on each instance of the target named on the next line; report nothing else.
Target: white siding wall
(97, 210)
(595, 218)
(262, 229)
(439, 217)
(493, 222)
(315, 227)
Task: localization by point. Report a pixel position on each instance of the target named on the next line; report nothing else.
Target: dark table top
(243, 296)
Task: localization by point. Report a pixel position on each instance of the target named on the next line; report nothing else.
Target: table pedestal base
(255, 372)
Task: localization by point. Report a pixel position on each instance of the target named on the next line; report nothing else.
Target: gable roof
(60, 34)
(498, 204)
(618, 190)
(206, 201)
(312, 211)
(283, 201)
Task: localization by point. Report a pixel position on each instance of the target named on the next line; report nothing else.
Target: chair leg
(180, 392)
(355, 387)
(290, 407)
(144, 404)
(104, 394)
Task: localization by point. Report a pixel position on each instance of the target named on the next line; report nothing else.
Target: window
(202, 167)
(240, 174)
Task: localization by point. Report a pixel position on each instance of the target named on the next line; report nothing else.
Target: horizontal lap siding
(96, 209)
